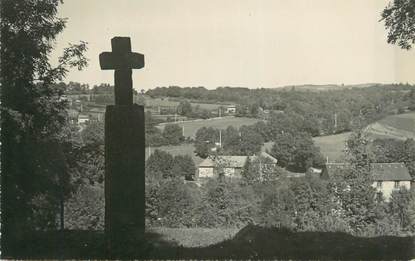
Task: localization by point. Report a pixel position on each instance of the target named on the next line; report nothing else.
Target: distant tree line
(331, 111)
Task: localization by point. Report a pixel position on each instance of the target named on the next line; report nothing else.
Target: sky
(244, 43)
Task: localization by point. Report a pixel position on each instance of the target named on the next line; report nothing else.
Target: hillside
(401, 126)
(326, 87)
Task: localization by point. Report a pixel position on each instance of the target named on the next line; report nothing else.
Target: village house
(97, 113)
(231, 166)
(231, 109)
(83, 119)
(386, 177)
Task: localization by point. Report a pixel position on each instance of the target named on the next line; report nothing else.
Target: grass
(154, 102)
(251, 242)
(191, 127)
(183, 149)
(332, 146)
(405, 122)
(401, 126)
(195, 237)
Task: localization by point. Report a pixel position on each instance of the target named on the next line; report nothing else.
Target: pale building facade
(230, 166)
(386, 177)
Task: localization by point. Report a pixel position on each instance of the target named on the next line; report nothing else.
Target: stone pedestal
(124, 175)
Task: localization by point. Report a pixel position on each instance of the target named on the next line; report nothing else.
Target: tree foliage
(399, 19)
(296, 151)
(33, 113)
(173, 134)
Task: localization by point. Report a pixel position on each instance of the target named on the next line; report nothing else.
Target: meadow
(332, 146)
(154, 102)
(191, 127)
(183, 149)
(401, 126)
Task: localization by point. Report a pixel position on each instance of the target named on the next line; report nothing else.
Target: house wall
(389, 186)
(205, 172)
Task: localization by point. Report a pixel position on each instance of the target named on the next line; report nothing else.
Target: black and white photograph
(207, 130)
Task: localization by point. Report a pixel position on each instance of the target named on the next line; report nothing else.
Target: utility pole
(183, 130)
(220, 138)
(335, 121)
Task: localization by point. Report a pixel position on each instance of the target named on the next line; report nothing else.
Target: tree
(184, 108)
(184, 166)
(306, 154)
(277, 209)
(160, 165)
(296, 151)
(33, 113)
(358, 195)
(231, 141)
(93, 133)
(399, 208)
(399, 19)
(173, 134)
(205, 140)
(251, 141)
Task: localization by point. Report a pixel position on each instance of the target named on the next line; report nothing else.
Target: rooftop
(234, 161)
(396, 171)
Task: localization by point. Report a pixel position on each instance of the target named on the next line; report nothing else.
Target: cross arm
(114, 61)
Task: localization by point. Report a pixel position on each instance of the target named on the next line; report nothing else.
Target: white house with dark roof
(231, 166)
(386, 177)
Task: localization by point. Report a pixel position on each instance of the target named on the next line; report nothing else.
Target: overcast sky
(250, 43)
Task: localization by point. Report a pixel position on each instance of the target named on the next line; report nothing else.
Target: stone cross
(124, 154)
(122, 60)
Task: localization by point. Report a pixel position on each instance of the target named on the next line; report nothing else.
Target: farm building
(83, 118)
(231, 109)
(230, 166)
(386, 177)
(97, 113)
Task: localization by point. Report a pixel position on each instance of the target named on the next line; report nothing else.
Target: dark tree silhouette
(399, 18)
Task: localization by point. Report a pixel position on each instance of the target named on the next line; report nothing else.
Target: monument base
(124, 176)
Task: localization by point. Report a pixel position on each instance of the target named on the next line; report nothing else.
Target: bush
(85, 210)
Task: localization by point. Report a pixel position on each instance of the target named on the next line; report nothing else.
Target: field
(154, 102)
(400, 126)
(190, 127)
(184, 149)
(332, 146)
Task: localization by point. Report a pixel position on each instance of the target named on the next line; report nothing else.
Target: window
(396, 186)
(379, 185)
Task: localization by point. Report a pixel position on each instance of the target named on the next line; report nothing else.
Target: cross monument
(124, 151)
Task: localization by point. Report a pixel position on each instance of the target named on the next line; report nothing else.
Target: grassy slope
(250, 242)
(332, 146)
(400, 126)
